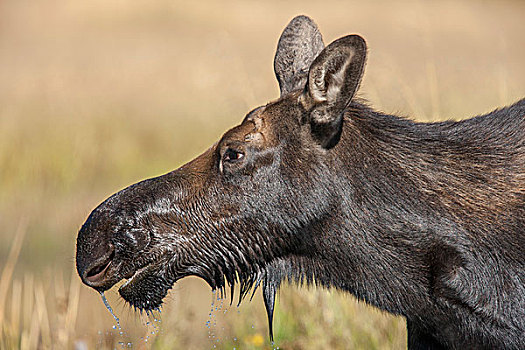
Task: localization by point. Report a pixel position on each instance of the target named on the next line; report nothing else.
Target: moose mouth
(146, 288)
(148, 282)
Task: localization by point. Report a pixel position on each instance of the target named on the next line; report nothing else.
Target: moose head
(249, 208)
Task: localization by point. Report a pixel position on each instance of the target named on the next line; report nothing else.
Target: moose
(423, 220)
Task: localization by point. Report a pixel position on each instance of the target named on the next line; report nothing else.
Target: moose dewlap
(424, 220)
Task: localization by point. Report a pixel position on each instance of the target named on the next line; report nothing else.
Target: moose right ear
(333, 80)
(299, 45)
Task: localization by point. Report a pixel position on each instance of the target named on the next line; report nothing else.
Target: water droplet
(105, 301)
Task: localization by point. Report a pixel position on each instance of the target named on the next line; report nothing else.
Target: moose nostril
(97, 272)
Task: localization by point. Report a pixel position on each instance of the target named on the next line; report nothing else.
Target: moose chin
(423, 220)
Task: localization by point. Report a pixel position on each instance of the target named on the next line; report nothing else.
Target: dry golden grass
(95, 95)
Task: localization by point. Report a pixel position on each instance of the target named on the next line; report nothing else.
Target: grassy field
(96, 95)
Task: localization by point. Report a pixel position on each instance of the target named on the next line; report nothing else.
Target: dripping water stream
(152, 323)
(105, 301)
(117, 326)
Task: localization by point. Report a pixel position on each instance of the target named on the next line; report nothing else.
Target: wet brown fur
(424, 220)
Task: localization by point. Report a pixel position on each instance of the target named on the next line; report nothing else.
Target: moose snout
(95, 261)
(110, 239)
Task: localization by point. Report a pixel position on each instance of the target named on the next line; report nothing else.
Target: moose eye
(232, 155)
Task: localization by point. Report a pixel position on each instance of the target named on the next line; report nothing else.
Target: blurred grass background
(96, 95)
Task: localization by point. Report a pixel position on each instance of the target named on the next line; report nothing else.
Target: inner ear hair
(336, 73)
(328, 80)
(333, 80)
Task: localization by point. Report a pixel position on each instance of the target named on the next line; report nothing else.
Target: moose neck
(376, 239)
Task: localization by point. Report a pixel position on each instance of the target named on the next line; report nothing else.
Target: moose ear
(299, 45)
(332, 82)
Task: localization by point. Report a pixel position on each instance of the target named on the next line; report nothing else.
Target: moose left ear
(333, 79)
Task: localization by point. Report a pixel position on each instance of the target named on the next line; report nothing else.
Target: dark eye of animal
(231, 155)
(423, 220)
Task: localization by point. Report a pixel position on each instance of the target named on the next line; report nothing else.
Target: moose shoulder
(421, 220)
